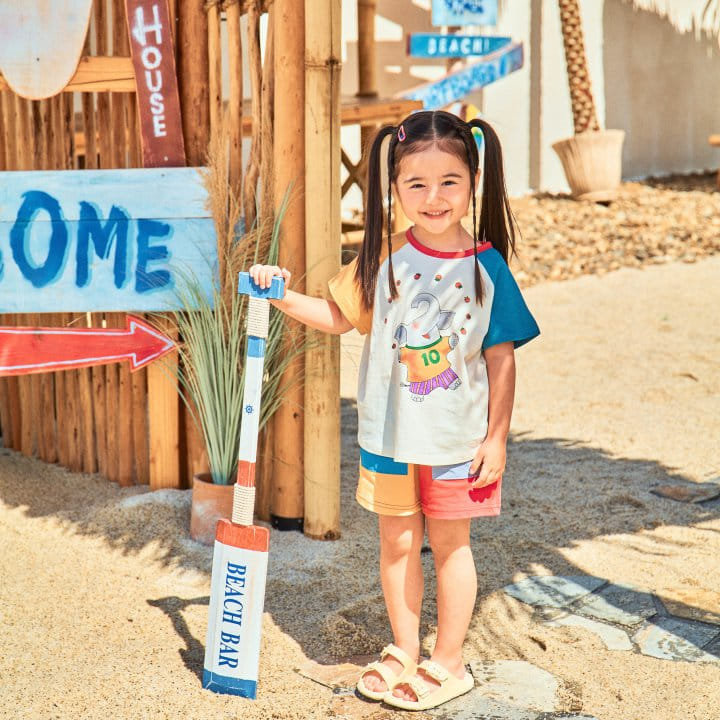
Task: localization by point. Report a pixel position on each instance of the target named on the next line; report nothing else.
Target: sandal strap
(383, 671)
(434, 670)
(420, 688)
(399, 654)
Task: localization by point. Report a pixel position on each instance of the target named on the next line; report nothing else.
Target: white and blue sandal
(430, 696)
(390, 678)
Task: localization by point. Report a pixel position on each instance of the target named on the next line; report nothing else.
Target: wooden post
(367, 76)
(253, 167)
(215, 64)
(322, 259)
(235, 101)
(289, 150)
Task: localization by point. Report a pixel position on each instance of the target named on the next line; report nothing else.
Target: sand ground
(103, 598)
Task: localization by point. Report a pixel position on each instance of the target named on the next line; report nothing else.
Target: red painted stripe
(246, 473)
(248, 537)
(441, 253)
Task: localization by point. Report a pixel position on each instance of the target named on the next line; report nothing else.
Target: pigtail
(391, 173)
(497, 222)
(473, 161)
(368, 264)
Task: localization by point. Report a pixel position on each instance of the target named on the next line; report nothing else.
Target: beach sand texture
(103, 598)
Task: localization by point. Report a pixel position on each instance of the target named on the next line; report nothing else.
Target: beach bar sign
(103, 240)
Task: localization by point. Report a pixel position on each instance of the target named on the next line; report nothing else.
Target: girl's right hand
(262, 275)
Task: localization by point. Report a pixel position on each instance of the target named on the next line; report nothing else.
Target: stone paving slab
(617, 603)
(516, 683)
(614, 638)
(553, 590)
(688, 492)
(692, 603)
(336, 673)
(675, 639)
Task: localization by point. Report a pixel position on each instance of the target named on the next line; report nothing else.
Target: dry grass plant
(212, 329)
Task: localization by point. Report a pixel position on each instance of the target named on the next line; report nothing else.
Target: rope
(243, 505)
(581, 97)
(258, 317)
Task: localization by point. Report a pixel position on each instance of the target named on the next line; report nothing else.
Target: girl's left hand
(490, 459)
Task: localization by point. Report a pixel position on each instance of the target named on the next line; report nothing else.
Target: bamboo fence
(132, 428)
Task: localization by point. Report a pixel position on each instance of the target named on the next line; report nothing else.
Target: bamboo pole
(215, 63)
(235, 100)
(253, 167)
(289, 163)
(267, 110)
(367, 75)
(322, 257)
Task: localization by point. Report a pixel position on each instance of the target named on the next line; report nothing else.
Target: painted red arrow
(25, 350)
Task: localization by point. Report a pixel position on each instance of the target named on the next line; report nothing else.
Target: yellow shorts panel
(387, 494)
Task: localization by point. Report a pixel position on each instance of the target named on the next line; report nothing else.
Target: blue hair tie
(477, 133)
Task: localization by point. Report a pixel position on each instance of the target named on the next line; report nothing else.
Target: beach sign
(464, 12)
(460, 83)
(157, 94)
(103, 240)
(240, 555)
(41, 43)
(439, 45)
(27, 350)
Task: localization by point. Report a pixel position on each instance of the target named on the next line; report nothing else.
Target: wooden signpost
(158, 100)
(93, 240)
(460, 83)
(464, 12)
(438, 45)
(41, 43)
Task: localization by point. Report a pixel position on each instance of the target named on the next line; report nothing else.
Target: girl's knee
(446, 536)
(401, 536)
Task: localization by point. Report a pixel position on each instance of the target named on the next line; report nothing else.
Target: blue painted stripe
(256, 346)
(382, 464)
(229, 685)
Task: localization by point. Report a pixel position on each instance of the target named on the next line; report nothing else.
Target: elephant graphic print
(424, 351)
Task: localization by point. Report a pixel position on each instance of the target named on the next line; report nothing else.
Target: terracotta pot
(593, 163)
(210, 503)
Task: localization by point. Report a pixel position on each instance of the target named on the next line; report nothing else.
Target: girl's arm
(490, 457)
(317, 313)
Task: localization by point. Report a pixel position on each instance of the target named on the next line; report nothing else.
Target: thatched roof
(685, 15)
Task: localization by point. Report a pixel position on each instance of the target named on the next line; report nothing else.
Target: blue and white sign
(431, 45)
(459, 84)
(93, 240)
(464, 12)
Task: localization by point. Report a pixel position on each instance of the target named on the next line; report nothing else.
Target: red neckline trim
(442, 253)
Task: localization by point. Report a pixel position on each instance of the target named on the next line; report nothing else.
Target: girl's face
(433, 187)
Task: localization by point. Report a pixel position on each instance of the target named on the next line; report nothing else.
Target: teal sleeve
(510, 319)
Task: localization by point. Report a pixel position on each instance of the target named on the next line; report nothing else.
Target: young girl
(442, 315)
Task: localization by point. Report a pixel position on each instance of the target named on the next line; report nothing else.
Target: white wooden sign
(113, 240)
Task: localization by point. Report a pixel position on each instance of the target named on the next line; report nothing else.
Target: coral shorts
(388, 487)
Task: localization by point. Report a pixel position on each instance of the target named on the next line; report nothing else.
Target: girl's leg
(456, 592)
(402, 584)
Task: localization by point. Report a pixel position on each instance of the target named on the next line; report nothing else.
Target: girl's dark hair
(449, 133)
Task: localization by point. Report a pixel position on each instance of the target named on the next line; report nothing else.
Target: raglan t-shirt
(423, 387)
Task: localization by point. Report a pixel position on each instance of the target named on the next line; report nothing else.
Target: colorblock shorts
(388, 487)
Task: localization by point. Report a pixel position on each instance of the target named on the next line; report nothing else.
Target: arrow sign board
(93, 240)
(459, 84)
(432, 45)
(464, 12)
(26, 350)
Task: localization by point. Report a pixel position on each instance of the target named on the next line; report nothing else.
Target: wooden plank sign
(41, 43)
(464, 12)
(93, 240)
(158, 100)
(459, 84)
(26, 350)
(432, 45)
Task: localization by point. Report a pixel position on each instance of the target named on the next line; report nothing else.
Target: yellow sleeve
(345, 292)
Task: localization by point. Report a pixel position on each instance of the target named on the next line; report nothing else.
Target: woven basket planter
(593, 164)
